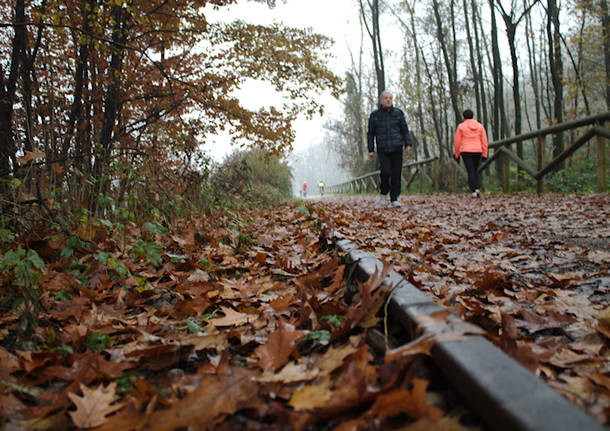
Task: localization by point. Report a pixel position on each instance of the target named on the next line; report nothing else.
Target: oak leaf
(413, 403)
(334, 358)
(312, 396)
(216, 396)
(94, 406)
(231, 318)
(30, 156)
(291, 373)
(279, 347)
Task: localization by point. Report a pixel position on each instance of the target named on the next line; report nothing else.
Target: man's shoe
(382, 201)
(395, 204)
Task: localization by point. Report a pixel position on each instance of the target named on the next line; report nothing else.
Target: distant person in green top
(321, 187)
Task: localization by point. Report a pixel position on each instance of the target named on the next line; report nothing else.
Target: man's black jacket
(389, 129)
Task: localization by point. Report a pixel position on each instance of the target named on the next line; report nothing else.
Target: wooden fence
(370, 182)
(594, 128)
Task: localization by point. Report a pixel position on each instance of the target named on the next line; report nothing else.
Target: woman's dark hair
(467, 114)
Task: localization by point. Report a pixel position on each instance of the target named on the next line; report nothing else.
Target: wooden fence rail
(596, 130)
(370, 181)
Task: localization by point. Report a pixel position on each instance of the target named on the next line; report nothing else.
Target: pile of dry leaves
(233, 323)
(531, 270)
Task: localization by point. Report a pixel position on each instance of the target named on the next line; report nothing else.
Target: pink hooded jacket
(470, 137)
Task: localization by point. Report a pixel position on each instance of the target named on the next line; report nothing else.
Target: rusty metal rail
(505, 395)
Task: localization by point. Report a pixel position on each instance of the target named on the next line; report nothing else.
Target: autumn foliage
(118, 100)
(242, 320)
(234, 321)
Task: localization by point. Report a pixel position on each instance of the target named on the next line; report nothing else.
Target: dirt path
(532, 270)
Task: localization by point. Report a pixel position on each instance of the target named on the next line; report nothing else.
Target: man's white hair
(386, 92)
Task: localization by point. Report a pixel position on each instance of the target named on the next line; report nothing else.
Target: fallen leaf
(30, 156)
(604, 317)
(312, 396)
(279, 347)
(94, 406)
(199, 276)
(291, 373)
(231, 318)
(601, 257)
(215, 397)
(335, 358)
(421, 345)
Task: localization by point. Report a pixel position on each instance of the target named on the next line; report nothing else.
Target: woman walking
(471, 143)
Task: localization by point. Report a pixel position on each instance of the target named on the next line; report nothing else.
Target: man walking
(388, 128)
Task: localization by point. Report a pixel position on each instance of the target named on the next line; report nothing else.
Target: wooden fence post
(601, 164)
(540, 163)
(505, 172)
(454, 175)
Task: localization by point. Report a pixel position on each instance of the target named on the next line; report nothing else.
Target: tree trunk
(498, 91)
(511, 25)
(476, 18)
(111, 104)
(606, 34)
(354, 112)
(373, 31)
(80, 80)
(556, 68)
(473, 68)
(531, 51)
(8, 88)
(449, 63)
(433, 104)
(419, 86)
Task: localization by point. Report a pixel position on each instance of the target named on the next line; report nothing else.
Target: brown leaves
(279, 347)
(261, 334)
(215, 396)
(231, 318)
(262, 329)
(94, 405)
(530, 270)
(412, 403)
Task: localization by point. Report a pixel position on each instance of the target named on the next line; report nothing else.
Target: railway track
(496, 389)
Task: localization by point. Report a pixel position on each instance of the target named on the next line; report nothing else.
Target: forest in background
(110, 104)
(519, 65)
(106, 107)
(123, 247)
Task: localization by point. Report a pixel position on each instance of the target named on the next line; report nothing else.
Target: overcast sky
(337, 19)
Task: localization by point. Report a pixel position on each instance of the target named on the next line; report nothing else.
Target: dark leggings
(472, 162)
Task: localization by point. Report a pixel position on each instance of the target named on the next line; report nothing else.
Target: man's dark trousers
(390, 165)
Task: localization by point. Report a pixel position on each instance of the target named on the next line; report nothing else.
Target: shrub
(252, 177)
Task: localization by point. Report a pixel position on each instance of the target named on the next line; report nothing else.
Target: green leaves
(335, 320)
(24, 264)
(322, 336)
(149, 250)
(97, 342)
(156, 228)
